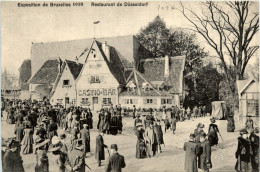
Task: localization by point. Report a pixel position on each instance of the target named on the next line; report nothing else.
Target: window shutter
(154, 101)
(145, 101)
(135, 101)
(169, 101)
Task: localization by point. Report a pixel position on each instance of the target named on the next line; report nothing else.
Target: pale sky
(20, 26)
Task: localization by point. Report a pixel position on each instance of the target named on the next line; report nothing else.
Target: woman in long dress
(140, 145)
(213, 132)
(28, 140)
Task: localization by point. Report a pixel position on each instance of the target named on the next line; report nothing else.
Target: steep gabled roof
(153, 70)
(75, 68)
(114, 64)
(242, 85)
(128, 48)
(25, 74)
(139, 79)
(47, 73)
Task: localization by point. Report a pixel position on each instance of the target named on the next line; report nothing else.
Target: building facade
(64, 89)
(248, 91)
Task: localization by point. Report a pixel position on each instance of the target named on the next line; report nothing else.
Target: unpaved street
(172, 157)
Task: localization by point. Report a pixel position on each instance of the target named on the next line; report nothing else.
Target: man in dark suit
(85, 136)
(116, 161)
(205, 154)
(100, 151)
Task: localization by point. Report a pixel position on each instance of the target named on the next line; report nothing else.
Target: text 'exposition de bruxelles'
(93, 4)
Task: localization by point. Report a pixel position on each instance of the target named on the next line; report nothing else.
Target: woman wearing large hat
(213, 132)
(140, 145)
(59, 151)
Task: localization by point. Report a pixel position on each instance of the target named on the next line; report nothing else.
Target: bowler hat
(192, 136)
(243, 131)
(78, 144)
(114, 146)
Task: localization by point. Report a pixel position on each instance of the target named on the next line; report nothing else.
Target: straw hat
(85, 125)
(139, 125)
(55, 144)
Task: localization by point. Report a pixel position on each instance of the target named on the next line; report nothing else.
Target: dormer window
(131, 86)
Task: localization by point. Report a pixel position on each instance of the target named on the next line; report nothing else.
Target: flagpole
(96, 22)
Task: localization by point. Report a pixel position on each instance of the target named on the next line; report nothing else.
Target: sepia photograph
(132, 86)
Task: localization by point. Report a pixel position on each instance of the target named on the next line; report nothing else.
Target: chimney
(106, 50)
(59, 64)
(166, 67)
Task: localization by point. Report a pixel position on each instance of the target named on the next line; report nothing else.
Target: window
(94, 79)
(149, 101)
(73, 101)
(169, 101)
(253, 107)
(107, 101)
(129, 101)
(163, 101)
(66, 82)
(84, 101)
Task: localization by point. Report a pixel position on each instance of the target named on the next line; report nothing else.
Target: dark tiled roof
(128, 49)
(25, 74)
(153, 70)
(75, 68)
(114, 64)
(47, 73)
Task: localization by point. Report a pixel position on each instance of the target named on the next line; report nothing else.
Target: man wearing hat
(205, 154)
(254, 139)
(116, 161)
(243, 153)
(192, 150)
(76, 159)
(85, 137)
(12, 160)
(100, 152)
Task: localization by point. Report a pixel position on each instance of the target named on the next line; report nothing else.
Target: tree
(208, 80)
(160, 40)
(154, 37)
(229, 28)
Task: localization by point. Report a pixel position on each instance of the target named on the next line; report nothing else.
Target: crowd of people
(43, 120)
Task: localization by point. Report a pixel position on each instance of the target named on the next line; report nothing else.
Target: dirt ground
(171, 158)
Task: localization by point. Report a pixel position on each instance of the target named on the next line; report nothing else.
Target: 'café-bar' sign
(98, 92)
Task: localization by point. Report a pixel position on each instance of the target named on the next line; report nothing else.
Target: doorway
(95, 103)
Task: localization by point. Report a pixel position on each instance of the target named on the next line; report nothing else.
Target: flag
(96, 22)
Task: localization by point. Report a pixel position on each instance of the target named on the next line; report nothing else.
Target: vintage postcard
(129, 86)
